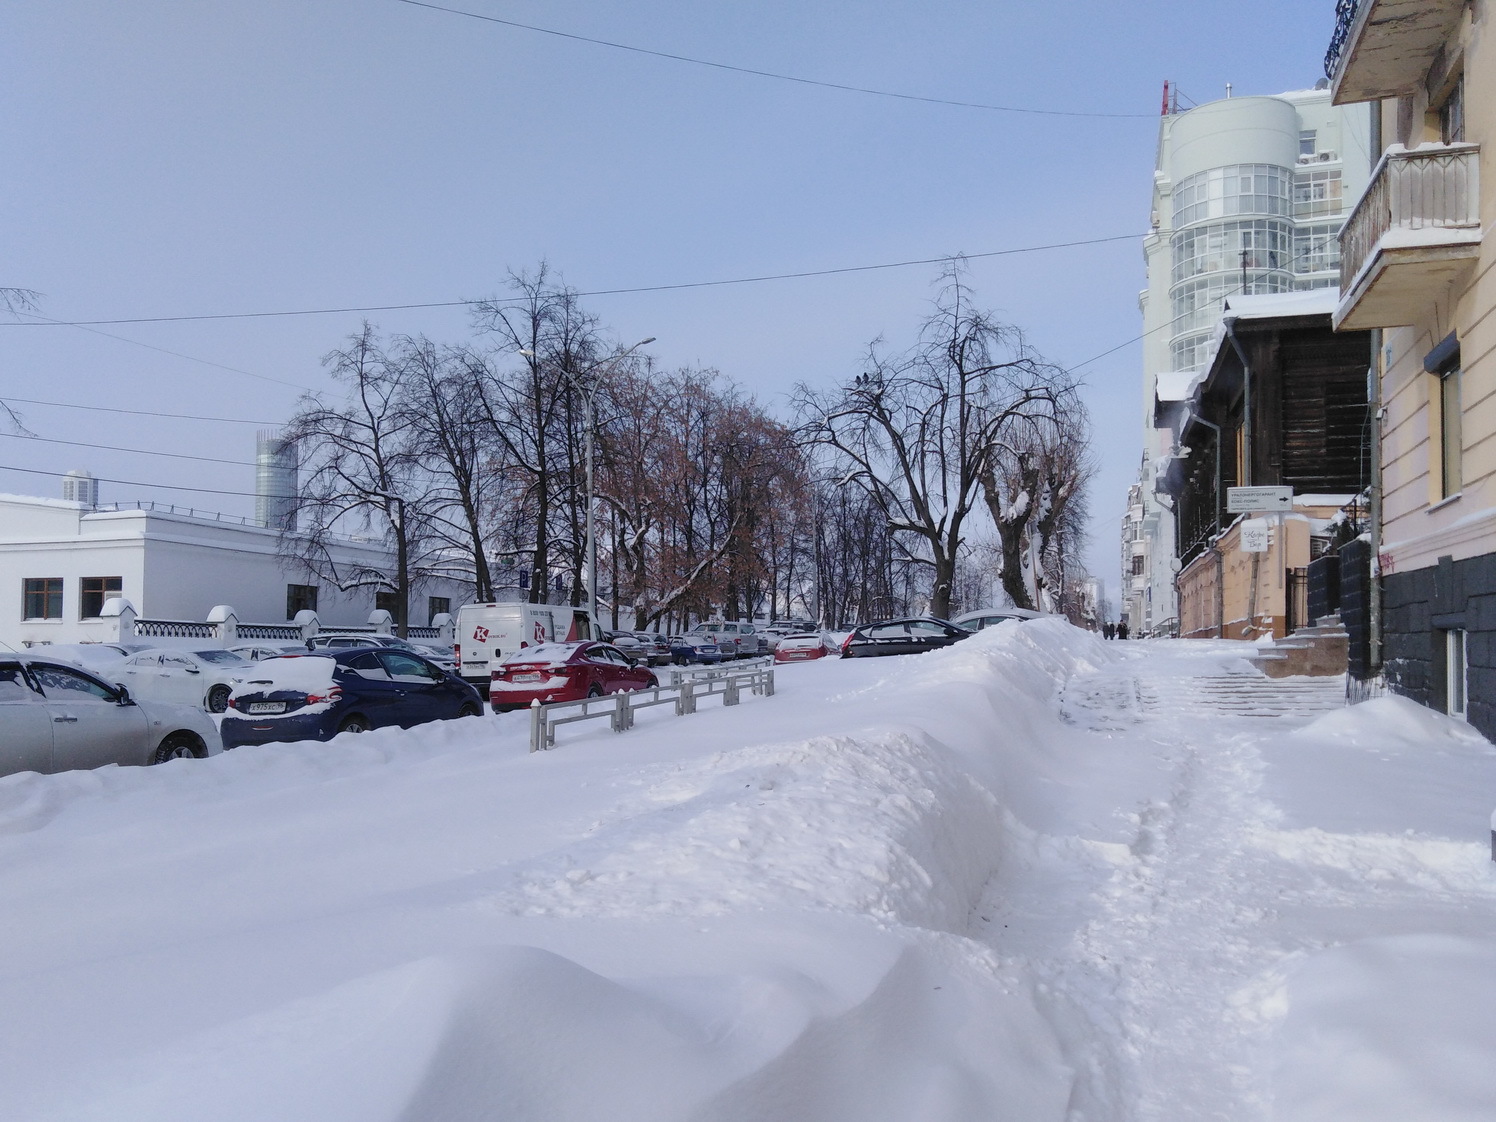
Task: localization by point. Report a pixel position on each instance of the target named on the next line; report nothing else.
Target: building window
(437, 605)
(43, 598)
(93, 591)
(1317, 194)
(1452, 114)
(300, 598)
(388, 602)
(1449, 431)
(1137, 564)
(1226, 191)
(1455, 669)
(1316, 248)
(1308, 142)
(1220, 246)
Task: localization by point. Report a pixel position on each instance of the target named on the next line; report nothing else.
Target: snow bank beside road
(748, 913)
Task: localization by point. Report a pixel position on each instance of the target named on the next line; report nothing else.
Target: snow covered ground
(1034, 876)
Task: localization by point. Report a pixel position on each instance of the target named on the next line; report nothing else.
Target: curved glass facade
(1234, 233)
(1234, 189)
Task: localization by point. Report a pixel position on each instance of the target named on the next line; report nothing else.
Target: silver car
(55, 716)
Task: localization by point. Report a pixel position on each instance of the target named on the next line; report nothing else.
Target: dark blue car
(317, 695)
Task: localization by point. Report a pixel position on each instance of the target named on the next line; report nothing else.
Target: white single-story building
(61, 561)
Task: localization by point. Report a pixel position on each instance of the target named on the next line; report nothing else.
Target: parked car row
(73, 707)
(111, 706)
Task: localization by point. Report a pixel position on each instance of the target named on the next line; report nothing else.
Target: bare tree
(449, 435)
(917, 430)
(361, 471)
(1034, 484)
(532, 410)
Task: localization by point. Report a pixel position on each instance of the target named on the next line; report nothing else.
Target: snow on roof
(1311, 302)
(1178, 385)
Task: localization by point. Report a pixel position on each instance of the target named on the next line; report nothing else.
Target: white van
(485, 633)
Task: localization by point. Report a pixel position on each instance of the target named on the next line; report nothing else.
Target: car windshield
(222, 658)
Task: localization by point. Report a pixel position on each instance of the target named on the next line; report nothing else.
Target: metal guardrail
(620, 708)
(709, 670)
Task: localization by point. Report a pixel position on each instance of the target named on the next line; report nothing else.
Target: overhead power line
(133, 483)
(142, 412)
(42, 321)
(137, 451)
(770, 73)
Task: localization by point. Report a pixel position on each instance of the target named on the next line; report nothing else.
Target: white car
(991, 617)
(204, 678)
(57, 716)
(268, 649)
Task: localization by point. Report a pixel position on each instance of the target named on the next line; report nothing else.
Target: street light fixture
(579, 382)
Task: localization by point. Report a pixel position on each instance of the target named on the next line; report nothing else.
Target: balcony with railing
(1383, 48)
(1414, 231)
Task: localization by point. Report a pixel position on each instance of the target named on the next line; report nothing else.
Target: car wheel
(595, 691)
(652, 683)
(180, 746)
(218, 699)
(355, 723)
(469, 710)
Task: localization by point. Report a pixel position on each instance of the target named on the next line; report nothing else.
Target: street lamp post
(578, 383)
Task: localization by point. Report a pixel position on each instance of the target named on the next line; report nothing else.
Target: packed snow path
(1167, 974)
(1035, 877)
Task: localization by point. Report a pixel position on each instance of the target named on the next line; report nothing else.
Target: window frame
(46, 592)
(305, 594)
(1446, 412)
(110, 587)
(1457, 673)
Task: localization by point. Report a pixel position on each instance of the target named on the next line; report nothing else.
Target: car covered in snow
(565, 672)
(991, 617)
(266, 648)
(56, 716)
(315, 696)
(198, 677)
(902, 636)
(803, 646)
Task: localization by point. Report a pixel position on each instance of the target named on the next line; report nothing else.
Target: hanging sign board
(1254, 536)
(1255, 500)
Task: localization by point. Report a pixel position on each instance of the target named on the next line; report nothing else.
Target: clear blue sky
(171, 159)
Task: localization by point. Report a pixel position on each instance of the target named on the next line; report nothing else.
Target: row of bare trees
(964, 454)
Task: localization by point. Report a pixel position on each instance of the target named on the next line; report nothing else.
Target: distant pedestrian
(1109, 629)
(1122, 629)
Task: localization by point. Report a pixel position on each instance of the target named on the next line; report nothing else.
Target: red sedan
(800, 647)
(564, 672)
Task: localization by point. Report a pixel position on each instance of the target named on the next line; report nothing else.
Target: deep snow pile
(1034, 876)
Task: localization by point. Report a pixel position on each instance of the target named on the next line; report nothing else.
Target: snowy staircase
(1251, 695)
(1318, 651)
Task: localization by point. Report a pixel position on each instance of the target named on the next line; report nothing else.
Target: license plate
(267, 706)
(527, 678)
